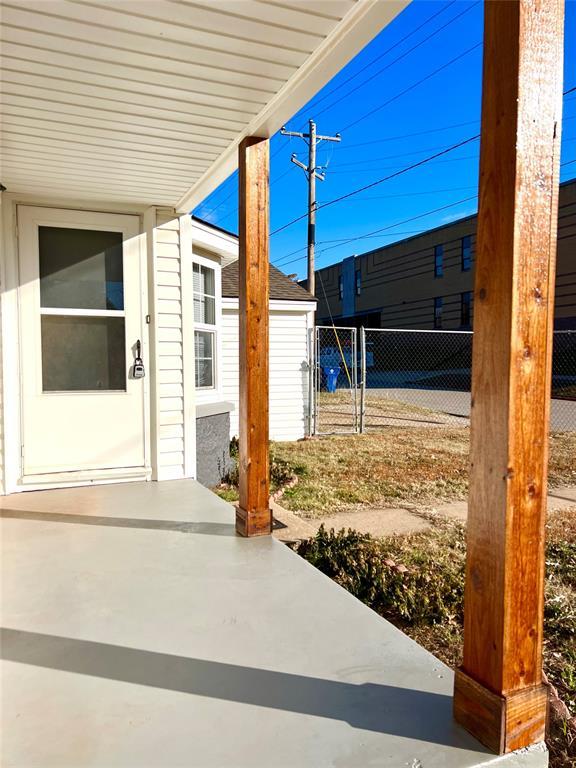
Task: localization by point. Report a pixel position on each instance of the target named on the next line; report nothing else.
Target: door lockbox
(138, 370)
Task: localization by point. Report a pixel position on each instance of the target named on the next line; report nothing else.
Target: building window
(465, 309)
(340, 288)
(466, 253)
(204, 289)
(438, 260)
(438, 312)
(358, 282)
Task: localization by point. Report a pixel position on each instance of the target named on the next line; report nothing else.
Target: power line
(411, 87)
(383, 197)
(379, 231)
(366, 66)
(391, 176)
(390, 138)
(391, 226)
(405, 221)
(418, 151)
(342, 240)
(390, 157)
(399, 58)
(346, 147)
(415, 194)
(384, 53)
(382, 180)
(388, 167)
(407, 154)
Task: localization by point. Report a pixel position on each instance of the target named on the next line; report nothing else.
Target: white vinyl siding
(170, 367)
(289, 375)
(1, 412)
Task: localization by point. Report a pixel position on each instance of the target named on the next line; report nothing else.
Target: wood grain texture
(253, 516)
(501, 723)
(515, 271)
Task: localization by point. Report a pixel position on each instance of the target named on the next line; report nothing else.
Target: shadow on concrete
(374, 707)
(210, 529)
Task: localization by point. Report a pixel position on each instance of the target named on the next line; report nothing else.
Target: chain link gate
(336, 381)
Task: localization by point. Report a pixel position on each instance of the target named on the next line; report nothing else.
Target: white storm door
(81, 317)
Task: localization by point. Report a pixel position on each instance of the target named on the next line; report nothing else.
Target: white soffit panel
(146, 102)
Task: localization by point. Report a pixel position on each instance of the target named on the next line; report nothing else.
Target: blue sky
(392, 109)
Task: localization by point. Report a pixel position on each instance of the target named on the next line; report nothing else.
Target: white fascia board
(276, 305)
(225, 245)
(358, 27)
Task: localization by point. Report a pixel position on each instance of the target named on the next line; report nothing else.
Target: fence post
(311, 378)
(354, 362)
(362, 379)
(317, 378)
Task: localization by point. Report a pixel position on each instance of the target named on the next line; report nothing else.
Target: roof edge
(354, 31)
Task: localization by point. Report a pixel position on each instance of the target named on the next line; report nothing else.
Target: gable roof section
(281, 287)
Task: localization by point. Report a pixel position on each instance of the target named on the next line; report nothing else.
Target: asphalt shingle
(281, 286)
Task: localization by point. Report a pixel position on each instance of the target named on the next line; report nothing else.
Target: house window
(438, 260)
(358, 282)
(438, 312)
(204, 289)
(465, 309)
(466, 253)
(340, 288)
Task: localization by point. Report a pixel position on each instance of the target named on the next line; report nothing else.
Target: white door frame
(11, 349)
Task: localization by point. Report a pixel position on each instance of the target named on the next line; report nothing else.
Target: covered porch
(139, 630)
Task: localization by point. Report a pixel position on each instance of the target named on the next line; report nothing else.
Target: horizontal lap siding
(1, 413)
(170, 386)
(288, 372)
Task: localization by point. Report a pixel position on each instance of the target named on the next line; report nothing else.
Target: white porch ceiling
(146, 101)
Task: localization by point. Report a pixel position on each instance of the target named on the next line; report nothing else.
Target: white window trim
(210, 394)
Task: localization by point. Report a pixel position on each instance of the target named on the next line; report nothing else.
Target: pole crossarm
(299, 163)
(313, 172)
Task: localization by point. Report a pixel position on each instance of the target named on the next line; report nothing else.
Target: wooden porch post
(253, 516)
(499, 696)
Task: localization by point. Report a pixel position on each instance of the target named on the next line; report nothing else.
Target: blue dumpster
(331, 372)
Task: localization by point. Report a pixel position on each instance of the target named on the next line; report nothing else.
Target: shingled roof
(281, 286)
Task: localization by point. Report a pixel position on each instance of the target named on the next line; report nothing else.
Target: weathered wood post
(499, 695)
(253, 516)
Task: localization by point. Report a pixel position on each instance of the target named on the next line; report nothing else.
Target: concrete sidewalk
(388, 521)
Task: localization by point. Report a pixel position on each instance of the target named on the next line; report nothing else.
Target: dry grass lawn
(396, 466)
(417, 583)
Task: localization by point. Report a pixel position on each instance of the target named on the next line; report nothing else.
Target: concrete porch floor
(140, 631)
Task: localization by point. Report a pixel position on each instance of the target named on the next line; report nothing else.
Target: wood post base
(501, 723)
(257, 523)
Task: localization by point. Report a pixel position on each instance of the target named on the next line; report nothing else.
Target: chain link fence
(386, 377)
(416, 378)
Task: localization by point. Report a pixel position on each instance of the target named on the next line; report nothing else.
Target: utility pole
(312, 172)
